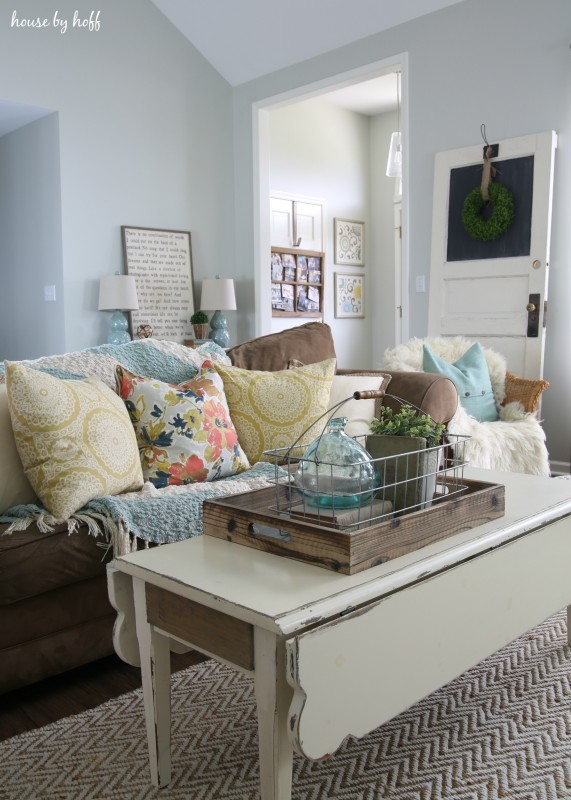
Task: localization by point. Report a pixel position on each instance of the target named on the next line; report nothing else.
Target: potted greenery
(199, 322)
(400, 440)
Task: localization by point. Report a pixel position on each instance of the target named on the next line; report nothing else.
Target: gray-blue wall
(145, 139)
(30, 241)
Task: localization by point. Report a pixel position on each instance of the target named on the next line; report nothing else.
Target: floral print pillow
(184, 433)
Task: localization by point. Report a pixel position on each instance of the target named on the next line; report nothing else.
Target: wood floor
(73, 692)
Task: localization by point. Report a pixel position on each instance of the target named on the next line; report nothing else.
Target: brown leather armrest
(434, 394)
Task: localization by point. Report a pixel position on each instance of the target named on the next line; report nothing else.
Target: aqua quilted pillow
(471, 377)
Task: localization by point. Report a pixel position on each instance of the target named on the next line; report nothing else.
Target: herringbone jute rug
(502, 730)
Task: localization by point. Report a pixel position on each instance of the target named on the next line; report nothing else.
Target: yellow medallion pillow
(74, 438)
(271, 410)
(15, 488)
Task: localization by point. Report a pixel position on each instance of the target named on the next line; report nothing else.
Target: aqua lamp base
(119, 329)
(219, 329)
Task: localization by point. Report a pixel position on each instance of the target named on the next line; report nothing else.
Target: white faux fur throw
(515, 443)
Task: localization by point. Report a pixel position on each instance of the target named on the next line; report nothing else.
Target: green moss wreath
(502, 216)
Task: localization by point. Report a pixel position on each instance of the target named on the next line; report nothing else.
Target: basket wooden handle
(368, 394)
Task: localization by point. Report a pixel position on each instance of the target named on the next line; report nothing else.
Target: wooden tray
(247, 519)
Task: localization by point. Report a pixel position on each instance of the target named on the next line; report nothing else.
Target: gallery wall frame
(349, 293)
(160, 260)
(297, 282)
(349, 242)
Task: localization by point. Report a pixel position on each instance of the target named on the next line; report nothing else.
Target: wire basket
(411, 479)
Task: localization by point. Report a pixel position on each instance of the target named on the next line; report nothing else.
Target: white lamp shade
(218, 294)
(118, 293)
(394, 163)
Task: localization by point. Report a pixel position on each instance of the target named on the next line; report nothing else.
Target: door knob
(532, 309)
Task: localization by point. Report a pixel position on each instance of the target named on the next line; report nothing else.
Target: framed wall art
(349, 236)
(297, 282)
(161, 263)
(349, 295)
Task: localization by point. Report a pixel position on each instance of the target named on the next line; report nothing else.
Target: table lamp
(218, 293)
(118, 293)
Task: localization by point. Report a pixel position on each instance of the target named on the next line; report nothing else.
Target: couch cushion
(75, 438)
(471, 377)
(36, 659)
(309, 343)
(14, 486)
(45, 614)
(185, 433)
(33, 562)
(272, 410)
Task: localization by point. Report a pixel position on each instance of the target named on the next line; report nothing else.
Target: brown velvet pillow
(309, 344)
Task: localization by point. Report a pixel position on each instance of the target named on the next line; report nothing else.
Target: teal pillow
(471, 377)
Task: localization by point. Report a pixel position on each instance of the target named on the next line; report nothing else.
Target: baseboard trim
(560, 467)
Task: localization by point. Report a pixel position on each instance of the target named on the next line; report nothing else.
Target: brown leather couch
(54, 611)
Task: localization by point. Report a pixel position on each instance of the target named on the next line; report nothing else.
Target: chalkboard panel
(161, 262)
(516, 174)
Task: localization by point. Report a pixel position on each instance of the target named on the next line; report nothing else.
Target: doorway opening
(387, 293)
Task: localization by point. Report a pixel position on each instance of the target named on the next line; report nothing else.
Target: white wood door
(309, 225)
(486, 297)
(296, 223)
(281, 222)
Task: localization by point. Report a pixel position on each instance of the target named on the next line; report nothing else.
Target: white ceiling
(244, 39)
(374, 96)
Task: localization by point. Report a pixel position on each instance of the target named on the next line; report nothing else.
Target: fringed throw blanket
(163, 360)
(152, 515)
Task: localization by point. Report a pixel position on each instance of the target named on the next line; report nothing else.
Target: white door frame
(261, 176)
(399, 294)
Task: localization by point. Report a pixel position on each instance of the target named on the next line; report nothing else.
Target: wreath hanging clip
(488, 193)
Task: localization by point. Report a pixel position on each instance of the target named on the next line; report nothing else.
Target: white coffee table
(331, 654)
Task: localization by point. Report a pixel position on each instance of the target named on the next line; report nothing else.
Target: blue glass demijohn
(336, 471)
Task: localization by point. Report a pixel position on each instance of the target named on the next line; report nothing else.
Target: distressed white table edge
(325, 675)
